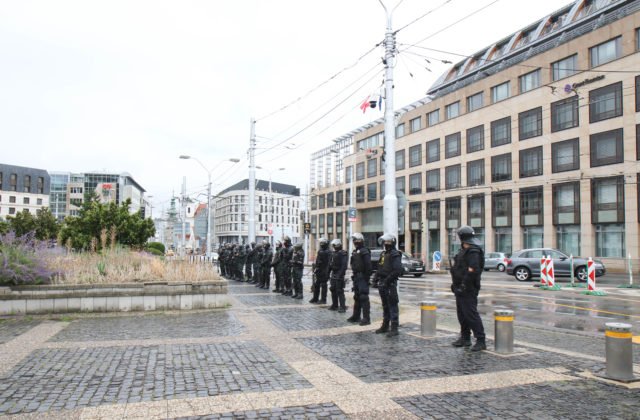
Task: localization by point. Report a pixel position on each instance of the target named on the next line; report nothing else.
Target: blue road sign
(437, 256)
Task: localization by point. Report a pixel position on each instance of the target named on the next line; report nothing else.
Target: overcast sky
(129, 85)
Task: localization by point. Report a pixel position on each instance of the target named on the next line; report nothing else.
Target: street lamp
(208, 171)
(270, 171)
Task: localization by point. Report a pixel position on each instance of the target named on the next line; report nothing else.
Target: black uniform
(337, 269)
(321, 272)
(287, 253)
(277, 268)
(267, 256)
(466, 286)
(361, 268)
(257, 267)
(389, 270)
(248, 272)
(297, 267)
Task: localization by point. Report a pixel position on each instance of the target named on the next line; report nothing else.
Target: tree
(95, 218)
(22, 223)
(44, 224)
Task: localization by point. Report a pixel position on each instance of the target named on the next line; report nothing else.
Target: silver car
(495, 261)
(525, 264)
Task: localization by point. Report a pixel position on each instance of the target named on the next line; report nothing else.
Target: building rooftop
(262, 185)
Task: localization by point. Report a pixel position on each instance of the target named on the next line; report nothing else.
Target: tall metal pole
(270, 212)
(306, 219)
(252, 183)
(390, 202)
(208, 253)
(352, 203)
(184, 215)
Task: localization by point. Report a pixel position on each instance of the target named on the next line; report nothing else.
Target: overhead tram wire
(423, 16)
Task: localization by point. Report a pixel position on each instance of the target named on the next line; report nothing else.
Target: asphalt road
(568, 308)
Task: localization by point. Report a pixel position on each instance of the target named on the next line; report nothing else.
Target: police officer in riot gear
(257, 267)
(389, 269)
(240, 260)
(337, 268)
(287, 253)
(321, 272)
(465, 275)
(248, 265)
(297, 267)
(361, 268)
(267, 256)
(277, 267)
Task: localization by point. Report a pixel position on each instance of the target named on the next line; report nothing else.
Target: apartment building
(22, 189)
(533, 141)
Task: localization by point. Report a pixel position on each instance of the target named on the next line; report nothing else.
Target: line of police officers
(331, 267)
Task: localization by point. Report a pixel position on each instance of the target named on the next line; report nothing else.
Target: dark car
(410, 265)
(525, 264)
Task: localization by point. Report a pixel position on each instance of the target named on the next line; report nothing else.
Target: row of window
(26, 184)
(25, 200)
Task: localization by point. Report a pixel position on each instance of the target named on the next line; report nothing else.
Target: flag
(365, 104)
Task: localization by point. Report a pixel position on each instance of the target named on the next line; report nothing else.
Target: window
(529, 81)
(500, 92)
(606, 148)
(400, 186)
(416, 124)
(39, 201)
(347, 174)
(433, 180)
(452, 177)
(475, 139)
(452, 145)
(400, 130)
(564, 114)
(452, 110)
(27, 183)
(415, 184)
(531, 208)
(605, 102)
(452, 212)
(321, 204)
(433, 150)
(610, 240)
(25, 200)
(383, 164)
(12, 199)
(568, 239)
(40, 188)
(565, 155)
(415, 155)
(371, 192)
(400, 159)
(607, 200)
(339, 198)
(564, 68)
(501, 132)
(330, 200)
(501, 208)
(13, 182)
(314, 203)
(637, 83)
(321, 224)
(475, 173)
(359, 171)
(433, 215)
(330, 223)
(530, 123)
(566, 203)
(360, 194)
(12, 210)
(433, 117)
(474, 102)
(475, 210)
(382, 189)
(501, 167)
(372, 167)
(339, 219)
(531, 162)
(347, 197)
(605, 52)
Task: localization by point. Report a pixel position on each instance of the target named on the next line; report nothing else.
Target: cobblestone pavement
(269, 356)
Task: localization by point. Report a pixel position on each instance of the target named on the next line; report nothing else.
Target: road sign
(352, 214)
(437, 256)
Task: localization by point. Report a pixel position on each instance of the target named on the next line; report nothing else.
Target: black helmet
(387, 237)
(298, 245)
(324, 243)
(286, 240)
(336, 244)
(468, 235)
(278, 244)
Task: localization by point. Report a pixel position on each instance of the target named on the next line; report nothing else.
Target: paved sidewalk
(270, 356)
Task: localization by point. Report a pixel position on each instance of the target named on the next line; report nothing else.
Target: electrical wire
(423, 16)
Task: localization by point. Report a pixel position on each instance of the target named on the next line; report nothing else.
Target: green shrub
(156, 245)
(155, 251)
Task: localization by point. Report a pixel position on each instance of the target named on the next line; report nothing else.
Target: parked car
(495, 261)
(410, 265)
(525, 264)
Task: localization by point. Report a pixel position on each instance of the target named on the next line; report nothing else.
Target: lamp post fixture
(270, 171)
(208, 171)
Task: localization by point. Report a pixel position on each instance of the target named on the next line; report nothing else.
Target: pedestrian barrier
(503, 331)
(543, 271)
(591, 280)
(428, 319)
(619, 352)
(551, 276)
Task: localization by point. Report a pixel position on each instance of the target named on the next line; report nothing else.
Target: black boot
(365, 314)
(355, 317)
(383, 328)
(480, 345)
(365, 321)
(393, 330)
(462, 342)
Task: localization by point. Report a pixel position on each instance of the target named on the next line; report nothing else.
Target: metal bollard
(619, 351)
(428, 319)
(503, 330)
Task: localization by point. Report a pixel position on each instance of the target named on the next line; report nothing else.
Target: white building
(22, 189)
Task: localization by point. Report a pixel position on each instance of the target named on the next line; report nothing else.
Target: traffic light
(307, 228)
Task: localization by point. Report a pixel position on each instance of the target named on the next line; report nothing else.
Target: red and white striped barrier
(591, 275)
(543, 271)
(551, 279)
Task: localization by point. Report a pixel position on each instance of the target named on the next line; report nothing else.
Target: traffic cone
(591, 280)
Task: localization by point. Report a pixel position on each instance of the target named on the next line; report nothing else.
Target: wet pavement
(270, 356)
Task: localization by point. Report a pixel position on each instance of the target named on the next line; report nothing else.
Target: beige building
(532, 141)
